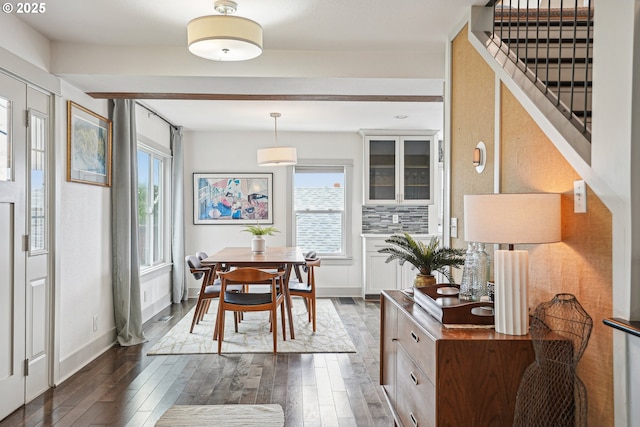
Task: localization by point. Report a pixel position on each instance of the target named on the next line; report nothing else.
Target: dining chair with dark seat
(251, 301)
(306, 290)
(209, 289)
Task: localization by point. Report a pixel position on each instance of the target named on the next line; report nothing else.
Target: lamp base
(510, 300)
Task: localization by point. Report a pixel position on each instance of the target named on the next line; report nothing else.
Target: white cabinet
(399, 169)
(377, 274)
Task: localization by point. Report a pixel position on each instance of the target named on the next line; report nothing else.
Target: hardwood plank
(124, 386)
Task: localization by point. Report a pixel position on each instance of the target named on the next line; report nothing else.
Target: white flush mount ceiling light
(224, 37)
(277, 155)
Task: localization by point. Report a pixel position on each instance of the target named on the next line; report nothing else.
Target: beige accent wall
(581, 263)
(472, 120)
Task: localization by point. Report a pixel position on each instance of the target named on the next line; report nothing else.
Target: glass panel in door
(417, 175)
(37, 183)
(5, 140)
(382, 169)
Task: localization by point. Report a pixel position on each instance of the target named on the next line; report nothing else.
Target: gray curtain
(124, 225)
(179, 287)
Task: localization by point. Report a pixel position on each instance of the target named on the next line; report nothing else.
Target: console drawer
(416, 394)
(420, 346)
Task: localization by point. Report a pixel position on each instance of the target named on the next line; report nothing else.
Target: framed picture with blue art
(233, 198)
(88, 146)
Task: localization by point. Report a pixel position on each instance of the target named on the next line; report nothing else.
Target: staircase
(553, 47)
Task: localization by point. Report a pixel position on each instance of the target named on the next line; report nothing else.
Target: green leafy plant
(258, 230)
(427, 258)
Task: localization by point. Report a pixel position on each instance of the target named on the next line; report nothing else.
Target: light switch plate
(454, 227)
(579, 196)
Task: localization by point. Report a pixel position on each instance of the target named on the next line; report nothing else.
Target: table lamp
(512, 219)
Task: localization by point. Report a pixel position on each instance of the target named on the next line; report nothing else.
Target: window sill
(629, 326)
(157, 270)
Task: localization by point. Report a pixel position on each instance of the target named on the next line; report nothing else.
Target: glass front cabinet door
(399, 170)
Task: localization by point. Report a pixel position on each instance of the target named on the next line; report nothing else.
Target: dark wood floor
(125, 387)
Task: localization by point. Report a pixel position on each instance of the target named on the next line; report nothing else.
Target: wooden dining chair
(306, 290)
(251, 301)
(209, 289)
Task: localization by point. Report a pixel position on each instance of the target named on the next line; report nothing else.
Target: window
(321, 220)
(152, 166)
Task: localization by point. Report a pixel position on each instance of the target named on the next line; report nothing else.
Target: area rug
(222, 415)
(253, 334)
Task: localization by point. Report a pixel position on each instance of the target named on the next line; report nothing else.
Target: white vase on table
(258, 244)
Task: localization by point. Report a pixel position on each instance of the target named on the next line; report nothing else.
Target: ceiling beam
(245, 97)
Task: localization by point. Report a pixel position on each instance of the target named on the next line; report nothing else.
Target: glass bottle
(468, 273)
(481, 277)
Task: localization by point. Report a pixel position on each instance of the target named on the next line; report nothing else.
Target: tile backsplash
(378, 219)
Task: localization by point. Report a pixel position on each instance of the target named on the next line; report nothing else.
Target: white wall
(83, 254)
(236, 152)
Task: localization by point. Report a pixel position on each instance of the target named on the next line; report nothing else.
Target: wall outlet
(95, 323)
(395, 219)
(454, 228)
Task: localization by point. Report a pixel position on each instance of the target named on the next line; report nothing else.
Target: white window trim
(164, 153)
(347, 258)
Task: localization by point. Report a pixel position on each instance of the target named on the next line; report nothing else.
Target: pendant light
(224, 37)
(277, 155)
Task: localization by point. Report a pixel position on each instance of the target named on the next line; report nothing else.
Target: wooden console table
(435, 376)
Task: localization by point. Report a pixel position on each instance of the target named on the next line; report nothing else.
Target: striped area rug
(222, 415)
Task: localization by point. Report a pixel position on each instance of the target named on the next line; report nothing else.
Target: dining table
(281, 258)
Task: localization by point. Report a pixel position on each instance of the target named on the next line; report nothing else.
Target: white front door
(12, 243)
(25, 285)
(38, 283)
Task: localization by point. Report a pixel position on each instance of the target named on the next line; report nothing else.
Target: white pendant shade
(224, 38)
(277, 156)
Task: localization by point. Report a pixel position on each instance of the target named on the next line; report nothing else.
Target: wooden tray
(442, 302)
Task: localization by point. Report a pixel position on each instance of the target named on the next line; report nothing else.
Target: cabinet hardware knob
(413, 378)
(413, 419)
(415, 336)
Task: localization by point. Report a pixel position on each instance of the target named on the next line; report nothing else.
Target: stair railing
(518, 27)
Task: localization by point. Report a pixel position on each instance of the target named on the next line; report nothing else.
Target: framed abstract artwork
(88, 146)
(233, 198)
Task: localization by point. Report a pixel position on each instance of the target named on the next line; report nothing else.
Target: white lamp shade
(277, 156)
(224, 38)
(512, 218)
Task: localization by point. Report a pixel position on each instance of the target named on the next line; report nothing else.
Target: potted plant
(258, 243)
(426, 257)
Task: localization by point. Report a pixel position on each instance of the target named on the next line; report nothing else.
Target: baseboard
(193, 292)
(328, 292)
(85, 355)
(156, 307)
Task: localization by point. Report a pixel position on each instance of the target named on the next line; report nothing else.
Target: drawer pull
(415, 336)
(413, 419)
(414, 379)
